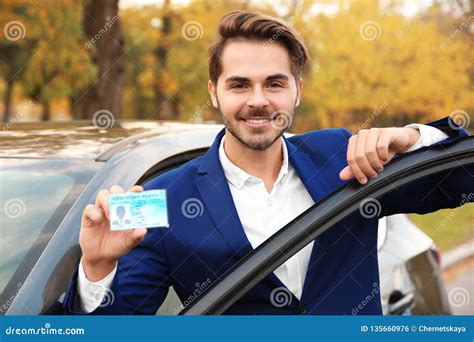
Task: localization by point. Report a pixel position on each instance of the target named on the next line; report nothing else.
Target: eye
(275, 85)
(238, 86)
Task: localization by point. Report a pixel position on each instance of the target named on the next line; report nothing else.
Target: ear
(212, 92)
(300, 90)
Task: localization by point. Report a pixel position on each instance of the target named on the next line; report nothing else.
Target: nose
(257, 98)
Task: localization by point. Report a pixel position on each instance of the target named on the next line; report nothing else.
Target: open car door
(407, 168)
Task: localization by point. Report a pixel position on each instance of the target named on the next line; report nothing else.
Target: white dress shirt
(261, 213)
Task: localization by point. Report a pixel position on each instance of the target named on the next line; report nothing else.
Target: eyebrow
(245, 79)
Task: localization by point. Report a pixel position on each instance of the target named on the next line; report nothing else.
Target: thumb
(139, 234)
(133, 237)
(346, 173)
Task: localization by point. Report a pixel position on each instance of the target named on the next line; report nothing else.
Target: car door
(238, 280)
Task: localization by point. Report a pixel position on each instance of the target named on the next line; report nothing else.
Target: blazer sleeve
(449, 189)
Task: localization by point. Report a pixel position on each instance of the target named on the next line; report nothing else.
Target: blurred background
(375, 62)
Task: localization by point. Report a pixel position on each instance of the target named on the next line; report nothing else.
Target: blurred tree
(375, 67)
(101, 24)
(50, 61)
(166, 106)
(460, 15)
(371, 64)
(60, 63)
(17, 42)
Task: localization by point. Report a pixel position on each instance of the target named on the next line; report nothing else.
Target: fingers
(116, 189)
(136, 188)
(102, 202)
(362, 158)
(382, 148)
(356, 158)
(371, 150)
(351, 159)
(92, 216)
(367, 153)
(346, 173)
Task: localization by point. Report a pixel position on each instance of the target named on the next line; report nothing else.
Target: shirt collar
(237, 177)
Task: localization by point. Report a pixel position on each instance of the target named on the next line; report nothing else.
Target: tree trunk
(46, 115)
(102, 29)
(166, 108)
(7, 100)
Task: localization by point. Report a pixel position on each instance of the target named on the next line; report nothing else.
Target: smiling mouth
(257, 121)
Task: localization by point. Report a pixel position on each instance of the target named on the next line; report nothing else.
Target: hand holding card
(102, 247)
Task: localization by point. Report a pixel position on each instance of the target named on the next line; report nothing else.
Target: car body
(50, 172)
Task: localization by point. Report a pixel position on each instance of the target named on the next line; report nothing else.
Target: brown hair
(257, 27)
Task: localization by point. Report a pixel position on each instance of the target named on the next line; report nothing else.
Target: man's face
(256, 92)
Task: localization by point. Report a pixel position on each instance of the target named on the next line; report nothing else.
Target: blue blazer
(201, 245)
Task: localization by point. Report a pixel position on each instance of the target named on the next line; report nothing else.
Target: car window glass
(25, 213)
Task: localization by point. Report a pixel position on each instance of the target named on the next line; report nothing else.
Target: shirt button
(303, 309)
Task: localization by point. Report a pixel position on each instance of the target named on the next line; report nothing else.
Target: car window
(326, 214)
(34, 198)
(24, 191)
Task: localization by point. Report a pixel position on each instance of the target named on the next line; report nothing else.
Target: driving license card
(145, 209)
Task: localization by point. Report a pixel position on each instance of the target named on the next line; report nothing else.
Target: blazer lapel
(313, 175)
(217, 198)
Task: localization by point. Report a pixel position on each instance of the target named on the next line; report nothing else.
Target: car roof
(83, 140)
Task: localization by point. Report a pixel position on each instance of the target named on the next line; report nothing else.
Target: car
(51, 171)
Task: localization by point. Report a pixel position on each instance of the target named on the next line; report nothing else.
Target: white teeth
(258, 121)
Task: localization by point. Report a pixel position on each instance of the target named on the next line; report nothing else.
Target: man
(250, 183)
